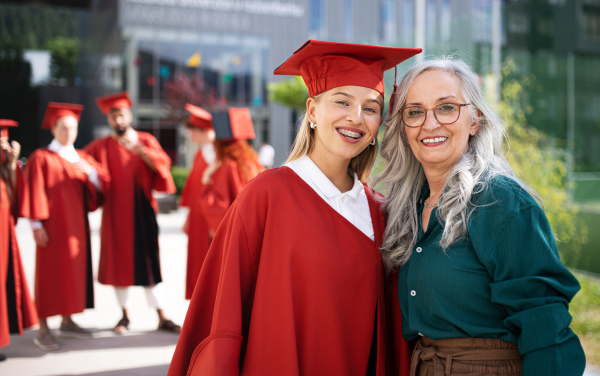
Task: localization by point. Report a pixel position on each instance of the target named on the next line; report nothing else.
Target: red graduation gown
(208, 205)
(17, 310)
(129, 231)
(61, 198)
(289, 287)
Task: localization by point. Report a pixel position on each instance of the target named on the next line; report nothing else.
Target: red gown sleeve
(94, 197)
(36, 204)
(213, 334)
(217, 197)
(163, 181)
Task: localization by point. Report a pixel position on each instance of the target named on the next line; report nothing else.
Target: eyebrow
(351, 96)
(438, 100)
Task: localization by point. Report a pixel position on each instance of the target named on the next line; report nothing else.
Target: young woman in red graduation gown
(293, 283)
(17, 310)
(220, 170)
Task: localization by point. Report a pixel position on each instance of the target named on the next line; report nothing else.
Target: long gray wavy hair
(403, 176)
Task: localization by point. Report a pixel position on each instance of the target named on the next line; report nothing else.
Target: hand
(209, 171)
(82, 166)
(139, 149)
(129, 139)
(41, 237)
(13, 149)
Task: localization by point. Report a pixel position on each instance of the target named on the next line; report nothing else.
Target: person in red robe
(137, 166)
(17, 310)
(221, 169)
(63, 185)
(293, 283)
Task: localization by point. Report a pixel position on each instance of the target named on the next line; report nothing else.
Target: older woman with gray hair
(481, 287)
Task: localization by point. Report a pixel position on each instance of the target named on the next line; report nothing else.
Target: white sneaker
(46, 341)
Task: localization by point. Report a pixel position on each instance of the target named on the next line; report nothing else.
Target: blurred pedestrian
(17, 310)
(63, 185)
(137, 166)
(266, 155)
(482, 289)
(293, 282)
(221, 169)
(202, 134)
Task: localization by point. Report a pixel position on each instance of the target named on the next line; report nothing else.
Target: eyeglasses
(445, 113)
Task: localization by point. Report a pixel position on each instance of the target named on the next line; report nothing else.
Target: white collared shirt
(208, 153)
(352, 205)
(66, 152)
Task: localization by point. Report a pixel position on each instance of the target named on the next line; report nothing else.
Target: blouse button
(413, 293)
(419, 249)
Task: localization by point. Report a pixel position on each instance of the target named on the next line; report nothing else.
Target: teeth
(434, 140)
(349, 133)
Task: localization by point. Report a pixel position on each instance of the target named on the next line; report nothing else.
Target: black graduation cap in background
(233, 124)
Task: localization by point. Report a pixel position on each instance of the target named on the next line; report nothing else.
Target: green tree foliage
(291, 93)
(33, 26)
(540, 163)
(180, 175)
(64, 58)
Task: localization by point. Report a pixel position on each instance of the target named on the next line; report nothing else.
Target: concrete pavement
(141, 351)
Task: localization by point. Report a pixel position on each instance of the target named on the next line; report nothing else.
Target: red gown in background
(129, 231)
(17, 310)
(288, 287)
(61, 198)
(208, 205)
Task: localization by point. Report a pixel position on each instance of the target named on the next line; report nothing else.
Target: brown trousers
(465, 357)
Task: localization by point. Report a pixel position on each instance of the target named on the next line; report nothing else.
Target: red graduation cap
(199, 118)
(233, 124)
(55, 111)
(324, 65)
(114, 101)
(4, 125)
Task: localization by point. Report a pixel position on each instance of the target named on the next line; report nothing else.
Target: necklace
(430, 206)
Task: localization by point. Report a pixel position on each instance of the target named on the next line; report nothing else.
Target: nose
(355, 114)
(430, 120)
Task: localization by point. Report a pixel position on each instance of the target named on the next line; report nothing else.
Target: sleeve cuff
(35, 224)
(94, 179)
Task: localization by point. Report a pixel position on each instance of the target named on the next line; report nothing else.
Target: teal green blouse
(504, 280)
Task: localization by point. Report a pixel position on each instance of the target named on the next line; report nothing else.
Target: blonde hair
(304, 143)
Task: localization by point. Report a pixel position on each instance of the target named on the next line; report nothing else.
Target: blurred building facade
(223, 52)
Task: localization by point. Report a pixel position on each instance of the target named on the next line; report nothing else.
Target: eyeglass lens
(445, 113)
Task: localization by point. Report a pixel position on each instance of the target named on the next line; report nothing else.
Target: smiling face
(435, 145)
(65, 130)
(347, 119)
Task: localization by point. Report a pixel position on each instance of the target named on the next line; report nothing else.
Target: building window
(349, 19)
(408, 21)
(518, 23)
(318, 18)
(590, 26)
(388, 21)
